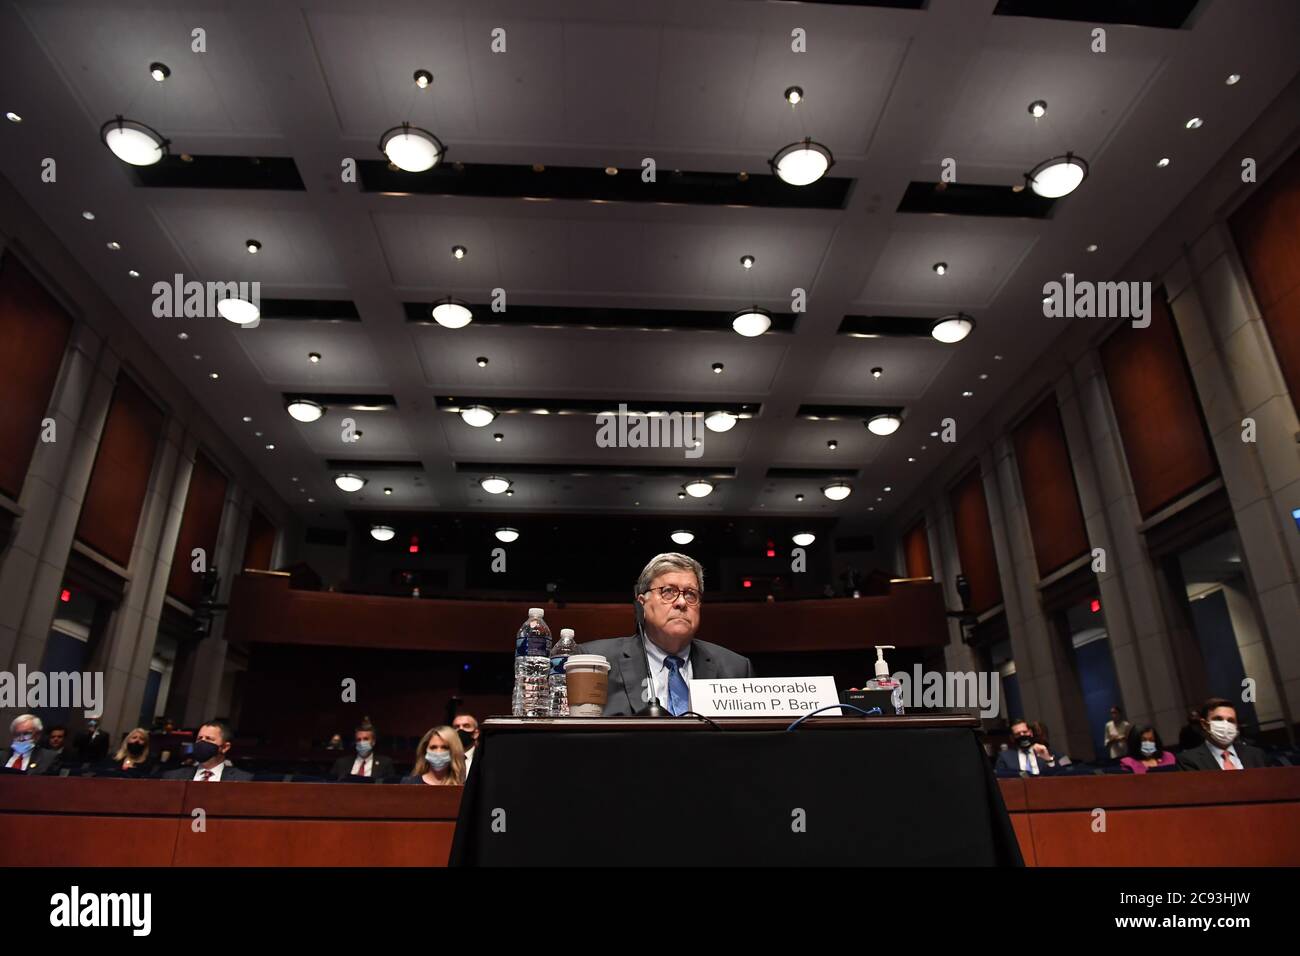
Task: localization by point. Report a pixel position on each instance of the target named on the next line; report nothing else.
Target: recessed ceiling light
(720, 421)
(793, 95)
(114, 245)
(1058, 176)
(423, 78)
(507, 535)
(458, 252)
(270, 447)
(186, 158)
(510, 492)
(311, 501)
(257, 434)
(382, 532)
(1091, 247)
(1163, 162)
(304, 410)
(967, 394)
(798, 497)
(253, 247)
(411, 149)
(910, 458)
(717, 368)
(293, 478)
(1232, 80)
(699, 488)
(877, 372)
(13, 117)
(247, 418)
(498, 437)
(611, 170)
(477, 415)
(802, 163)
(884, 425)
(159, 71)
(1038, 108)
(951, 329)
(888, 488)
(313, 357)
(182, 335)
(482, 361)
(132, 273)
(747, 262)
(681, 494)
(214, 375)
(752, 322)
(832, 444)
(804, 538)
(1195, 123)
(133, 143)
(940, 268)
(452, 313)
(880, 499)
(87, 215)
(388, 491)
(197, 357)
(349, 482)
(494, 484)
(239, 311)
(934, 434)
(682, 537)
(837, 490)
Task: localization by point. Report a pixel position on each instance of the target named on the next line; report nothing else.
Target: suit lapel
(633, 672)
(702, 665)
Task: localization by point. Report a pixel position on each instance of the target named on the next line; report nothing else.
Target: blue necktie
(677, 696)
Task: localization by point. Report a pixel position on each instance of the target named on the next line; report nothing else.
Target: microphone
(654, 708)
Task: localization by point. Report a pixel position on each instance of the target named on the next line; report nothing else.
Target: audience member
(440, 760)
(467, 726)
(133, 756)
(1145, 751)
(56, 739)
(1117, 734)
(367, 763)
(1221, 749)
(336, 743)
(211, 748)
(1027, 754)
(92, 743)
(25, 752)
(1191, 735)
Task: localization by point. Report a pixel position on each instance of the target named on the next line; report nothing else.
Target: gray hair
(22, 719)
(669, 561)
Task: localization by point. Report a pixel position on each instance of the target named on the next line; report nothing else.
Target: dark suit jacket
(380, 768)
(42, 760)
(1009, 759)
(1202, 758)
(628, 673)
(92, 749)
(231, 774)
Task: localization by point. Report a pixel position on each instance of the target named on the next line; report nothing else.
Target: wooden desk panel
(55, 839)
(281, 842)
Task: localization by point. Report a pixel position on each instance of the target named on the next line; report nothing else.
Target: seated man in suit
(211, 748)
(92, 743)
(657, 662)
(1027, 754)
(366, 763)
(25, 752)
(1221, 750)
(467, 726)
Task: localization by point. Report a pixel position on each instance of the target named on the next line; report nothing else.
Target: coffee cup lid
(586, 660)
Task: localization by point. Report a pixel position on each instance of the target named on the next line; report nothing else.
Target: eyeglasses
(669, 594)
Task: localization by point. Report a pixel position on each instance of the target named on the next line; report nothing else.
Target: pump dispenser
(882, 680)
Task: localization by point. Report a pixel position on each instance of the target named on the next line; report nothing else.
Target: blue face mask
(23, 745)
(364, 747)
(1149, 748)
(438, 759)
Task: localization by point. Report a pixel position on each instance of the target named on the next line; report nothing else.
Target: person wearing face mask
(366, 763)
(467, 726)
(1221, 750)
(25, 753)
(211, 748)
(92, 743)
(1145, 751)
(440, 761)
(133, 756)
(1027, 754)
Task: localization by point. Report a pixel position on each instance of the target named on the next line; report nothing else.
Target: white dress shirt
(364, 766)
(24, 759)
(660, 671)
(1028, 762)
(216, 772)
(1220, 751)
(469, 758)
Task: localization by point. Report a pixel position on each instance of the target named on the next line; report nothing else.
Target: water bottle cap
(566, 632)
(536, 612)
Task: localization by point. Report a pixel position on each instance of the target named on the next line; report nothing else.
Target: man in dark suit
(657, 662)
(366, 763)
(1221, 750)
(1027, 754)
(211, 749)
(25, 752)
(92, 743)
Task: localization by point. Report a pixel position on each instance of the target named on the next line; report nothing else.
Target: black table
(635, 791)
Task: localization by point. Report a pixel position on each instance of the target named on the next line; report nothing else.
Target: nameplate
(764, 696)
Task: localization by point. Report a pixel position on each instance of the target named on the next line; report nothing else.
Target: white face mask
(438, 759)
(1223, 732)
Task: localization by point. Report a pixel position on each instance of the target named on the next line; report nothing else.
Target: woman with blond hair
(440, 759)
(132, 757)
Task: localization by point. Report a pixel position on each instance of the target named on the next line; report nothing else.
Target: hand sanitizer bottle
(882, 680)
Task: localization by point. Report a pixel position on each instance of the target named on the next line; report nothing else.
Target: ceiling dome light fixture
(884, 425)
(253, 247)
(507, 535)
(717, 368)
(1233, 79)
(794, 95)
(720, 421)
(13, 117)
(1058, 176)
(699, 488)
(1195, 123)
(951, 329)
(494, 484)
(237, 310)
(804, 538)
(382, 532)
(452, 313)
(411, 148)
(304, 410)
(133, 142)
(1163, 162)
(459, 252)
(423, 78)
(682, 537)
(940, 268)
(747, 262)
(1038, 109)
(752, 322)
(802, 163)
(349, 482)
(837, 490)
(477, 415)
(159, 71)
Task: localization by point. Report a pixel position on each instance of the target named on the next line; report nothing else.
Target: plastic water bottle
(533, 666)
(559, 682)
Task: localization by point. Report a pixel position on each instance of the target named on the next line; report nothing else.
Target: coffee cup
(587, 678)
